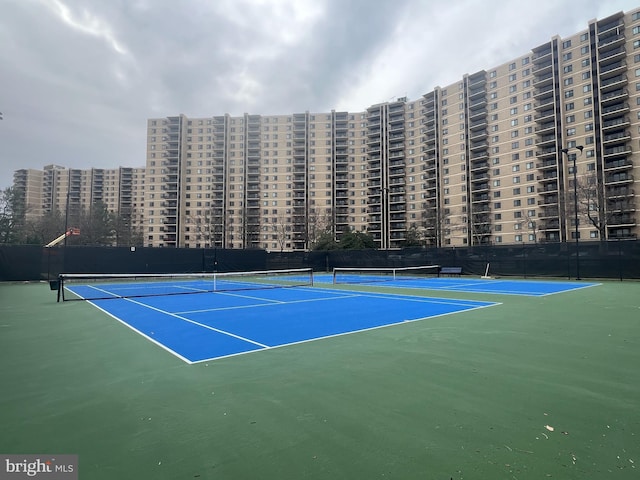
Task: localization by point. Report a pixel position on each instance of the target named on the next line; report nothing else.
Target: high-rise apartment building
(71, 191)
(272, 182)
(503, 155)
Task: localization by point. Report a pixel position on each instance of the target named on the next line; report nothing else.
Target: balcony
(545, 128)
(550, 187)
(618, 137)
(542, 68)
(479, 177)
(543, 80)
(546, 102)
(542, 55)
(549, 163)
(621, 164)
(479, 166)
(480, 198)
(480, 187)
(622, 220)
(546, 152)
(548, 200)
(615, 124)
(478, 146)
(614, 96)
(620, 192)
(550, 225)
(546, 141)
(610, 43)
(548, 176)
(477, 115)
(612, 55)
(545, 115)
(478, 156)
(479, 103)
(476, 93)
(478, 135)
(479, 124)
(615, 69)
(544, 92)
(618, 178)
(617, 109)
(613, 83)
(616, 152)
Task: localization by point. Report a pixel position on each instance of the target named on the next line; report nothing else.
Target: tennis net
(83, 286)
(383, 274)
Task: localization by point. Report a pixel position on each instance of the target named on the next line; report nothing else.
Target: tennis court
(543, 386)
(403, 278)
(247, 313)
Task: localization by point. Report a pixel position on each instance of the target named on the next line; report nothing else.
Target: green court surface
(533, 388)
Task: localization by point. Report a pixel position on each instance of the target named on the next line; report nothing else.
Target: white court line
(413, 298)
(208, 327)
(478, 289)
(345, 333)
(139, 332)
(250, 297)
(432, 300)
(219, 309)
(571, 289)
(338, 295)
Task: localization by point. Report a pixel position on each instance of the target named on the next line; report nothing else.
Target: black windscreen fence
(612, 259)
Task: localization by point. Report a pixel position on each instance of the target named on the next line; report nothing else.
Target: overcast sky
(79, 78)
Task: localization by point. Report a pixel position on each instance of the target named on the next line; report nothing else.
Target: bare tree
(480, 228)
(281, 230)
(434, 223)
(532, 225)
(318, 225)
(594, 204)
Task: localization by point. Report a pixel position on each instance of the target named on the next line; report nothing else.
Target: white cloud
(87, 23)
(82, 77)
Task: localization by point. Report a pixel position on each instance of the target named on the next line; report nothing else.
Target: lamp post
(66, 210)
(575, 204)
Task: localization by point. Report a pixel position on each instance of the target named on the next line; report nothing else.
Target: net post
(59, 287)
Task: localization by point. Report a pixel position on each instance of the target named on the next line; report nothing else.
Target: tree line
(97, 225)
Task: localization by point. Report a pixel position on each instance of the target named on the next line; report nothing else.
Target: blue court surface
(208, 326)
(534, 288)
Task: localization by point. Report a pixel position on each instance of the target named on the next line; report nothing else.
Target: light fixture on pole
(575, 204)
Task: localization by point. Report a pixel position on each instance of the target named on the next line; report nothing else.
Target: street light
(575, 204)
